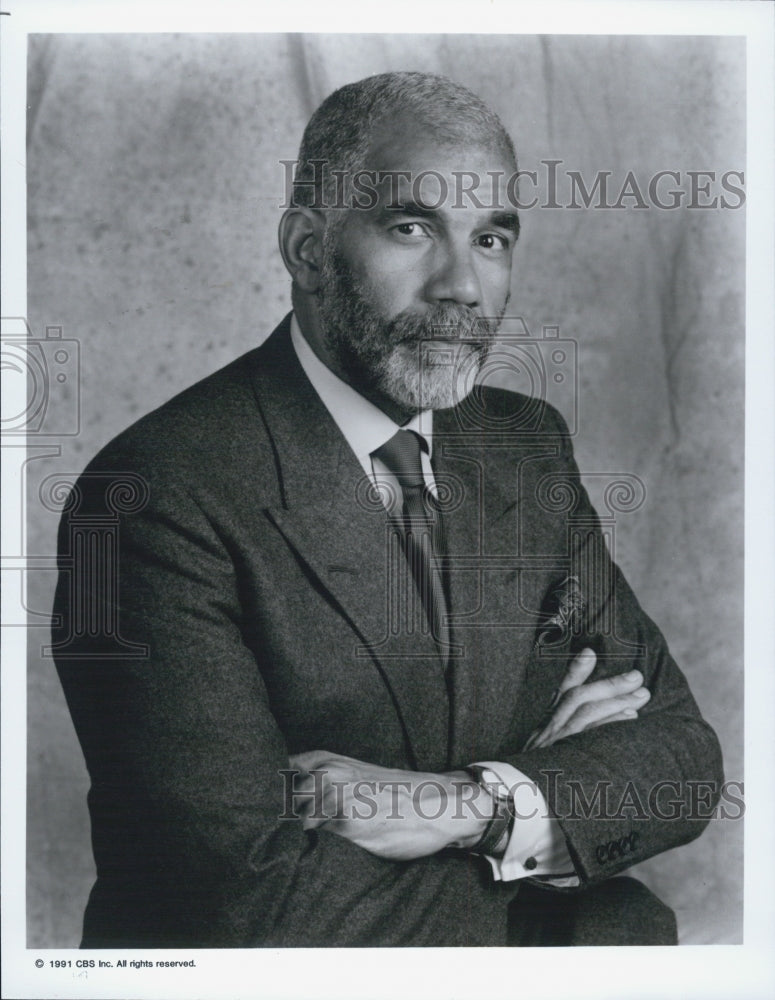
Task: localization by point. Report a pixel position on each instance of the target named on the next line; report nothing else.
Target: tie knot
(401, 454)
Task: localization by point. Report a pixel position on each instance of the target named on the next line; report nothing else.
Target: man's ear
(301, 244)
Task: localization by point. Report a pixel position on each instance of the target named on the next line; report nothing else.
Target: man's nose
(455, 278)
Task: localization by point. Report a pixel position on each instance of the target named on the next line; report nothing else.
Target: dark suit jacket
(254, 577)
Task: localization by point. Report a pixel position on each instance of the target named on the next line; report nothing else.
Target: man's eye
(410, 229)
(491, 241)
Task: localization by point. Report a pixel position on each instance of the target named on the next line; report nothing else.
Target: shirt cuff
(536, 845)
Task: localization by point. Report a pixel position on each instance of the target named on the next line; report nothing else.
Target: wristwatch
(496, 835)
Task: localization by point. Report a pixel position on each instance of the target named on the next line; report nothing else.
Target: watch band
(500, 825)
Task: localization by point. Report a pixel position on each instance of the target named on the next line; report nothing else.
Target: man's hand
(402, 815)
(395, 814)
(577, 706)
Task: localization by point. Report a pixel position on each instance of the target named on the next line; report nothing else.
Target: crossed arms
(448, 810)
(186, 746)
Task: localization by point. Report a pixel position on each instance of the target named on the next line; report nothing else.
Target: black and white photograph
(376, 447)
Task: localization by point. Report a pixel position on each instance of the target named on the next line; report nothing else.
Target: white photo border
(744, 971)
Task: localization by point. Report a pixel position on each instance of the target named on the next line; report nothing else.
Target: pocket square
(566, 609)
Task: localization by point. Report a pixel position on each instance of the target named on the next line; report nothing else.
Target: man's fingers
(626, 716)
(315, 797)
(318, 758)
(549, 737)
(596, 713)
(602, 690)
(580, 667)
(588, 714)
(308, 760)
(578, 705)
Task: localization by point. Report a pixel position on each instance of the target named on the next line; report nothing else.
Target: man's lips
(445, 340)
(419, 326)
(456, 341)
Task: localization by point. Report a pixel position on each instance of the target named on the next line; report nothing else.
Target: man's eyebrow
(408, 207)
(506, 220)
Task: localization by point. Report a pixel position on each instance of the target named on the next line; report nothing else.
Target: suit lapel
(340, 533)
(488, 619)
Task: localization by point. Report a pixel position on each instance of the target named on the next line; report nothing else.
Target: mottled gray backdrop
(154, 185)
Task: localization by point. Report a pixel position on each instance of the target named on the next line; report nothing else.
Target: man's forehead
(403, 142)
(409, 162)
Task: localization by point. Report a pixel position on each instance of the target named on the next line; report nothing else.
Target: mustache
(445, 321)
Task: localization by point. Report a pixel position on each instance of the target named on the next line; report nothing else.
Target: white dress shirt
(536, 835)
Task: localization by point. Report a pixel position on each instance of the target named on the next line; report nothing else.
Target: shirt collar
(364, 426)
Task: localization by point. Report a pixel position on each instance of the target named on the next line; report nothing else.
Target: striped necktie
(421, 530)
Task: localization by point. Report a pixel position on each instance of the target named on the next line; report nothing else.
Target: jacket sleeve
(625, 791)
(185, 756)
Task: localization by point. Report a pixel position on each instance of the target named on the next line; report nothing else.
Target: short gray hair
(339, 133)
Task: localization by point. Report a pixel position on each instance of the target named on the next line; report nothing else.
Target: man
(353, 669)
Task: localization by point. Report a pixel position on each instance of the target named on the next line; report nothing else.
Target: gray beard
(425, 361)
